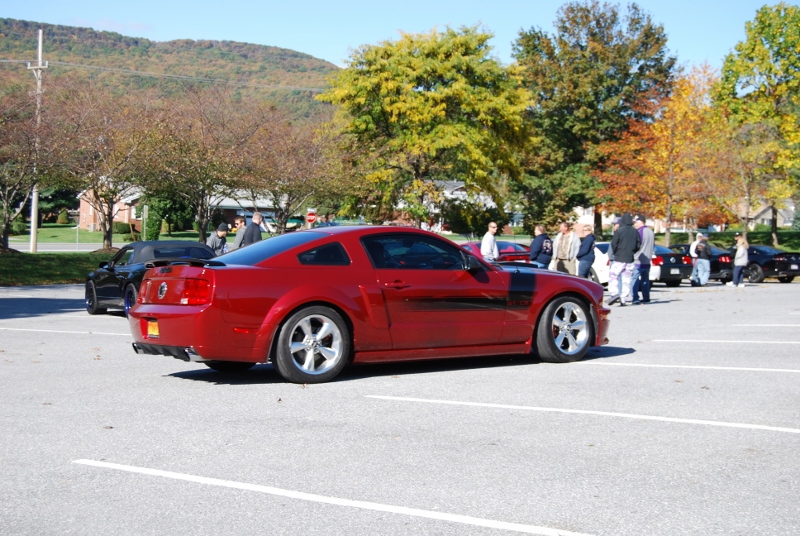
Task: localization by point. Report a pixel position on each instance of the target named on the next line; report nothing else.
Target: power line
(174, 76)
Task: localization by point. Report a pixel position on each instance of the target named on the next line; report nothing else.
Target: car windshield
(255, 253)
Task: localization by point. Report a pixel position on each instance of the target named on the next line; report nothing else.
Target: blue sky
(699, 31)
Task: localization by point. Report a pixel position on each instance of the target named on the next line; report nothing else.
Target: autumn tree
(18, 155)
(102, 141)
(428, 107)
(648, 168)
(588, 81)
(198, 154)
(760, 87)
(290, 164)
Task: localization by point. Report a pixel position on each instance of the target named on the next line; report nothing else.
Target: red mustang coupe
(311, 302)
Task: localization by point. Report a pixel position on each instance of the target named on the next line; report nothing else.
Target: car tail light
(657, 261)
(687, 259)
(143, 289)
(196, 292)
(781, 258)
(724, 258)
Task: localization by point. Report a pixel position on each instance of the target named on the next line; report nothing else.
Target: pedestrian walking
(489, 250)
(740, 261)
(624, 245)
(585, 255)
(642, 260)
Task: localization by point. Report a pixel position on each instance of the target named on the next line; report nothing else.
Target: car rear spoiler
(176, 261)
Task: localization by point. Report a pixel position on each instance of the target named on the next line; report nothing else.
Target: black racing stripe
(476, 303)
(520, 294)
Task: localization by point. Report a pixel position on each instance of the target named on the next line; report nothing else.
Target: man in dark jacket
(624, 245)
(252, 233)
(541, 248)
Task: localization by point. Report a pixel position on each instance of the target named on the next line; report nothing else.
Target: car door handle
(397, 284)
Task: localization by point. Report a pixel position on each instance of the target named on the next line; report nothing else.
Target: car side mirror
(472, 264)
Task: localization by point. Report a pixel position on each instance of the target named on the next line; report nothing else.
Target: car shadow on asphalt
(31, 307)
(266, 374)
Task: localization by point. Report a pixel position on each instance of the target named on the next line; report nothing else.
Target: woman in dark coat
(585, 254)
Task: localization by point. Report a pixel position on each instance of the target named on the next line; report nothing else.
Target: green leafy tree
(432, 106)
(760, 86)
(588, 80)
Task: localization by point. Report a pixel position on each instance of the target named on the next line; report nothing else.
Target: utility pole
(37, 73)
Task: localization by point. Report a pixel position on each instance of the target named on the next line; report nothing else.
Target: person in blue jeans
(703, 263)
(585, 254)
(642, 261)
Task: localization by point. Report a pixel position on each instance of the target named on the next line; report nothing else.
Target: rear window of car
(329, 254)
(260, 251)
(661, 250)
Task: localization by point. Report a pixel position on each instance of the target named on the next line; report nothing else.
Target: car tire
(91, 300)
(786, 278)
(229, 366)
(129, 299)
(565, 331)
(756, 274)
(673, 283)
(313, 346)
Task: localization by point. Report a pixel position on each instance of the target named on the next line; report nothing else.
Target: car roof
(146, 250)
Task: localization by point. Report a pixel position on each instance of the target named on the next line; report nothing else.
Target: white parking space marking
(709, 341)
(69, 332)
(592, 412)
(746, 369)
(766, 325)
(299, 495)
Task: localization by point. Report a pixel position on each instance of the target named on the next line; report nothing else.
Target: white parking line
(299, 495)
(70, 332)
(725, 341)
(766, 325)
(686, 367)
(591, 412)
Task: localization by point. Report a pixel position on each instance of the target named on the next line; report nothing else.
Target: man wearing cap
(641, 260)
(217, 240)
(702, 266)
(624, 244)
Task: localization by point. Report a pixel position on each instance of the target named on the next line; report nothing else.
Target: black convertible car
(721, 262)
(115, 284)
(767, 261)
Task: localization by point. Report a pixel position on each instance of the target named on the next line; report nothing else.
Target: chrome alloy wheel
(316, 344)
(570, 328)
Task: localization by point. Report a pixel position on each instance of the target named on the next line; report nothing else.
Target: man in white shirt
(489, 244)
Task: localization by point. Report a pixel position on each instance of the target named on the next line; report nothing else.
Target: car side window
(125, 258)
(412, 252)
(329, 254)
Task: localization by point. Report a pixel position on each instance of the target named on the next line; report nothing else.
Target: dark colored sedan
(767, 261)
(669, 267)
(721, 262)
(313, 301)
(115, 284)
(509, 251)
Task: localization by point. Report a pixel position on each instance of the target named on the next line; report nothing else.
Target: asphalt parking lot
(688, 422)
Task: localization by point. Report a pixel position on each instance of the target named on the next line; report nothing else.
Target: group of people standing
(630, 254)
(245, 234)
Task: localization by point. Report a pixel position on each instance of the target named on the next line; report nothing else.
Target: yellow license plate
(152, 329)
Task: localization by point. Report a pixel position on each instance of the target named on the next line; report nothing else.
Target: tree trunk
(775, 226)
(598, 221)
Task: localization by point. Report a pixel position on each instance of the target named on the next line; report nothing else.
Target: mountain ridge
(289, 77)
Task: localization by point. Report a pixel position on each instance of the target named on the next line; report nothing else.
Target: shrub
(63, 217)
(121, 228)
(19, 227)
